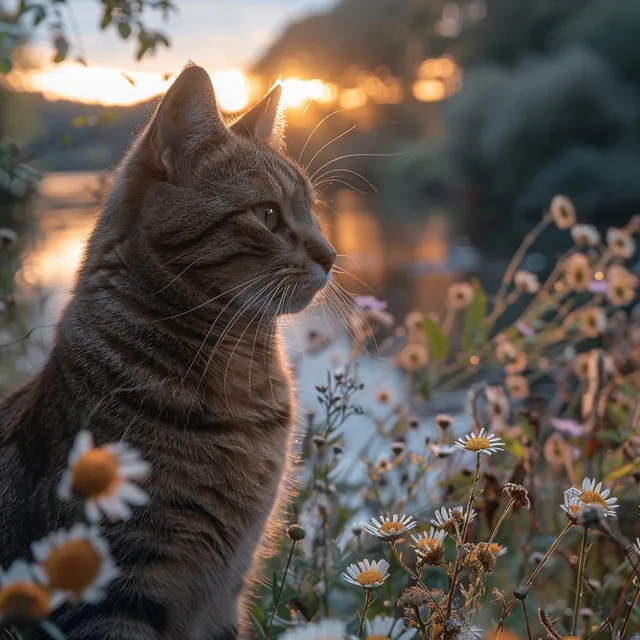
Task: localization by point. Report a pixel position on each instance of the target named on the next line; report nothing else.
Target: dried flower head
(460, 295)
(620, 243)
(585, 235)
(367, 574)
(526, 282)
(103, 475)
(390, 528)
(296, 532)
(443, 421)
(481, 557)
(517, 387)
(577, 272)
(518, 494)
(452, 520)
(429, 546)
(563, 212)
(483, 442)
(413, 597)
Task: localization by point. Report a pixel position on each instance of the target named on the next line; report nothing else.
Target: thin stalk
(423, 629)
(367, 602)
(501, 520)
(628, 616)
(614, 614)
(463, 537)
(284, 577)
(417, 578)
(534, 575)
(526, 619)
(579, 581)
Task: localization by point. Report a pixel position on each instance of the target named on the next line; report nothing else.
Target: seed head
(296, 532)
(520, 592)
(518, 494)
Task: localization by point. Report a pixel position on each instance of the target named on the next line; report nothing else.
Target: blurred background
(439, 131)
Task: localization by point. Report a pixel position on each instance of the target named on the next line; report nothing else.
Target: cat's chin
(305, 297)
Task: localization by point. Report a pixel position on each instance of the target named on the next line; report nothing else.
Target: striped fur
(170, 342)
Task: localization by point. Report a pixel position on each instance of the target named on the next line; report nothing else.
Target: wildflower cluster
(75, 565)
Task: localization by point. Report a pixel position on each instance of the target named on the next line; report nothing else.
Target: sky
(217, 34)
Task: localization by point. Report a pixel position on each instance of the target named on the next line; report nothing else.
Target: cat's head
(224, 210)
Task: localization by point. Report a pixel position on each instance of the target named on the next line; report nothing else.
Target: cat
(169, 342)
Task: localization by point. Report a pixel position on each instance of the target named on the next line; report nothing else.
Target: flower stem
(628, 616)
(535, 573)
(284, 577)
(526, 619)
(423, 629)
(416, 577)
(463, 537)
(501, 520)
(581, 562)
(367, 602)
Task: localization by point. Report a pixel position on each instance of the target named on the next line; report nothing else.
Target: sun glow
(235, 89)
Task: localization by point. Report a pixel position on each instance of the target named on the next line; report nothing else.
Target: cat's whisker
(323, 183)
(350, 171)
(323, 147)
(356, 155)
(226, 371)
(341, 271)
(223, 335)
(166, 286)
(246, 284)
(253, 350)
(304, 148)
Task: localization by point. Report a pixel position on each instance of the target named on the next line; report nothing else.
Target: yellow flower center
(95, 473)
(591, 497)
(391, 527)
(23, 601)
(427, 544)
(477, 444)
(369, 577)
(73, 566)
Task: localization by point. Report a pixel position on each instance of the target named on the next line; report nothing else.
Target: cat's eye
(268, 213)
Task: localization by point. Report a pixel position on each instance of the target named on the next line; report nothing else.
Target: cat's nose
(324, 254)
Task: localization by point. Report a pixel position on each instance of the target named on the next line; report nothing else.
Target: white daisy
(563, 212)
(429, 546)
(326, 629)
(425, 537)
(591, 493)
(383, 628)
(102, 476)
(22, 598)
(367, 574)
(585, 235)
(480, 443)
(526, 282)
(76, 562)
(620, 243)
(390, 528)
(452, 520)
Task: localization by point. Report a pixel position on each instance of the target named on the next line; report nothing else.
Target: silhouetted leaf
(124, 29)
(473, 332)
(437, 340)
(106, 18)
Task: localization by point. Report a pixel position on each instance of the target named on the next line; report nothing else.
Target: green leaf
(474, 333)
(611, 435)
(437, 339)
(257, 626)
(425, 388)
(5, 65)
(144, 47)
(106, 18)
(124, 29)
(39, 14)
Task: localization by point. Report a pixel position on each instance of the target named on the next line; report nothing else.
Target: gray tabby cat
(170, 342)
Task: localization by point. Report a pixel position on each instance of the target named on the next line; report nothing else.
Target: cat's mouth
(305, 291)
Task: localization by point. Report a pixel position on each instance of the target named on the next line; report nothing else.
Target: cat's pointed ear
(186, 120)
(265, 121)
